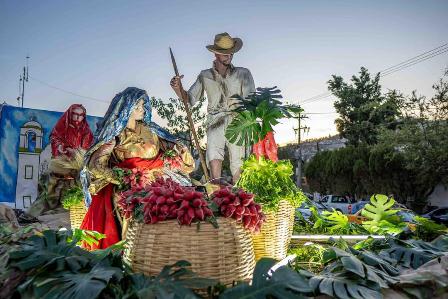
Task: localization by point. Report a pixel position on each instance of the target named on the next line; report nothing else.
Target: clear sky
(97, 48)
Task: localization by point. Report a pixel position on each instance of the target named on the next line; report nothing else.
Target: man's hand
(177, 86)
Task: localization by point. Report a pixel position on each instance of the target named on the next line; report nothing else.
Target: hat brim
(238, 44)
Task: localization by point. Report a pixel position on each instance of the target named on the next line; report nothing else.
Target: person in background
(70, 138)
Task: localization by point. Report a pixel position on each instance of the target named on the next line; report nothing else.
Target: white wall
(27, 187)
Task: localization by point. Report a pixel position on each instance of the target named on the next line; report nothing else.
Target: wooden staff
(190, 121)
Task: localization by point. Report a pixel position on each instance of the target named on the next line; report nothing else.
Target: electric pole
(298, 131)
(23, 79)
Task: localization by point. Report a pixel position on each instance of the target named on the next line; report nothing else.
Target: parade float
(184, 242)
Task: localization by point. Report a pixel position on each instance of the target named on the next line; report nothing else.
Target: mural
(26, 151)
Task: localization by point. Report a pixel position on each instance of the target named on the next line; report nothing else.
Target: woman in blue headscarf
(127, 138)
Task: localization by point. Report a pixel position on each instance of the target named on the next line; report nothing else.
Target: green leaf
(283, 283)
(256, 116)
(353, 265)
(75, 285)
(381, 216)
(244, 129)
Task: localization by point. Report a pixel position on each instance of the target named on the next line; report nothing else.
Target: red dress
(101, 217)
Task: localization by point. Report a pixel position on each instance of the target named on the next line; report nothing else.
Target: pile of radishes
(239, 205)
(166, 200)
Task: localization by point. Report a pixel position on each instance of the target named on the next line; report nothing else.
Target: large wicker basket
(225, 253)
(77, 213)
(273, 239)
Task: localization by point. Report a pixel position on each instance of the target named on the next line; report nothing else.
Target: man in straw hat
(220, 83)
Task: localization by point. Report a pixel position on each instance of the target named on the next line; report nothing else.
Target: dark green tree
(362, 108)
(421, 138)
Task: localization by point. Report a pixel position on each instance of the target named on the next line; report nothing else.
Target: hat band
(225, 43)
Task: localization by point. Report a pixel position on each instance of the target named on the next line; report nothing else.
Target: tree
(421, 136)
(407, 154)
(362, 108)
(177, 123)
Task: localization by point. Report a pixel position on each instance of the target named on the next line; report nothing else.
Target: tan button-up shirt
(219, 90)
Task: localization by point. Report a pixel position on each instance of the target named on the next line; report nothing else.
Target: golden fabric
(141, 143)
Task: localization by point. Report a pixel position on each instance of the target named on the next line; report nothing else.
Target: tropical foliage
(50, 265)
(257, 114)
(382, 218)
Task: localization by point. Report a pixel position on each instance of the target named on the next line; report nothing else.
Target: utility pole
(23, 79)
(298, 131)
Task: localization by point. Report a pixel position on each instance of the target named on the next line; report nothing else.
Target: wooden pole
(190, 121)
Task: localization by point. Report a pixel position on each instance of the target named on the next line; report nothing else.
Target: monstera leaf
(282, 283)
(52, 249)
(73, 285)
(243, 129)
(383, 219)
(174, 281)
(379, 208)
(338, 222)
(257, 114)
(348, 276)
(412, 253)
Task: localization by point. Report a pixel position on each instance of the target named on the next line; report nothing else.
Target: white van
(339, 203)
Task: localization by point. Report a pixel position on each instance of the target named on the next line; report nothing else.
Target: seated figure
(127, 138)
(70, 137)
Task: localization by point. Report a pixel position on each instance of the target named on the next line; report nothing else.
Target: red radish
(239, 210)
(197, 202)
(246, 201)
(199, 213)
(184, 204)
(190, 212)
(161, 200)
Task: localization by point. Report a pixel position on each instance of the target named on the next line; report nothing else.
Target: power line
(67, 91)
(409, 64)
(313, 113)
(427, 52)
(392, 69)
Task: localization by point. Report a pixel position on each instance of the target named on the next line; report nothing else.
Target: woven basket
(77, 213)
(273, 239)
(225, 254)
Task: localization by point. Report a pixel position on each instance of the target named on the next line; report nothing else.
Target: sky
(98, 48)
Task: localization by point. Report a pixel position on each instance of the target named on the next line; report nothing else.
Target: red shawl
(67, 134)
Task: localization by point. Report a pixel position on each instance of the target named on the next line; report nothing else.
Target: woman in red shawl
(71, 132)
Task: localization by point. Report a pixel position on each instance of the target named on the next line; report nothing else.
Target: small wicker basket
(273, 239)
(225, 253)
(77, 213)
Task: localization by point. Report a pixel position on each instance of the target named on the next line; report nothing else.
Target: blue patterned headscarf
(115, 121)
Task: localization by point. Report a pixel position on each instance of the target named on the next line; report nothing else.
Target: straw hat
(225, 44)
